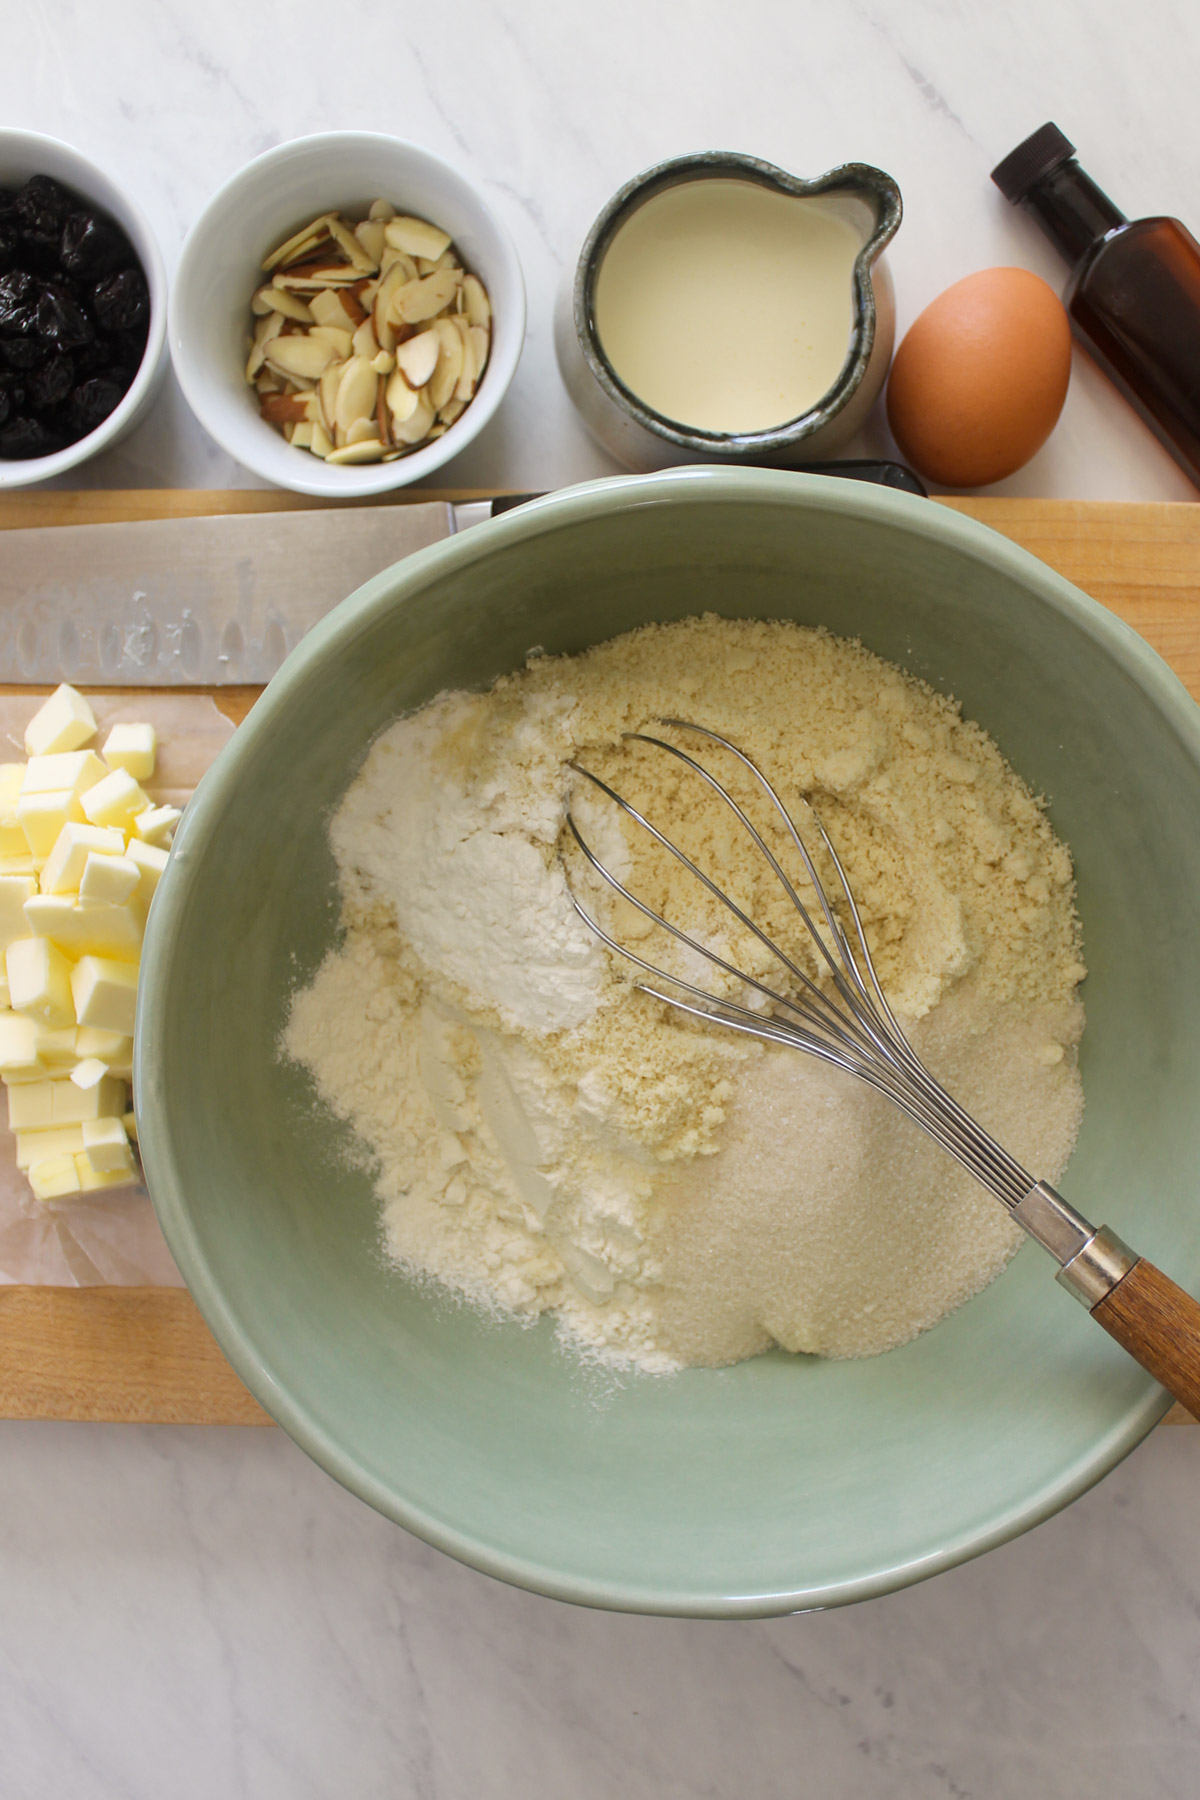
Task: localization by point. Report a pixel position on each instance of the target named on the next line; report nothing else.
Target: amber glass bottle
(1134, 290)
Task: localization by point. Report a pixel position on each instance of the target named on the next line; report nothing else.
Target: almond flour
(545, 1137)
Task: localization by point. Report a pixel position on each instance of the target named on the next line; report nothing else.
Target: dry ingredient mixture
(545, 1137)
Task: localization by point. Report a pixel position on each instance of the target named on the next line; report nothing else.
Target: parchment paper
(111, 1237)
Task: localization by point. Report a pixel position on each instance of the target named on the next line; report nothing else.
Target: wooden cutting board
(144, 1355)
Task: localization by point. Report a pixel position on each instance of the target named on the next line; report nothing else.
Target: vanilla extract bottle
(1133, 295)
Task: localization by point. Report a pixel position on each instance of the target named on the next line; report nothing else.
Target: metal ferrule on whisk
(852, 1027)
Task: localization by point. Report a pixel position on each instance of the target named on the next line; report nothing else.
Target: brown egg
(980, 379)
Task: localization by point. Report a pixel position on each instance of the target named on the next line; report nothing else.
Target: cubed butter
(91, 1179)
(59, 1140)
(105, 993)
(15, 890)
(18, 865)
(89, 1073)
(106, 1146)
(55, 1178)
(31, 1106)
(5, 996)
(63, 869)
(116, 801)
(71, 1105)
(19, 1059)
(157, 824)
(12, 838)
(132, 748)
(109, 1046)
(151, 861)
(14, 845)
(57, 1049)
(130, 1124)
(42, 818)
(87, 930)
(108, 880)
(72, 772)
(39, 978)
(64, 722)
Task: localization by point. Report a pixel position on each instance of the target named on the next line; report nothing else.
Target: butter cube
(18, 865)
(64, 723)
(19, 1059)
(108, 880)
(15, 890)
(71, 1105)
(12, 838)
(130, 1124)
(39, 977)
(31, 1106)
(5, 996)
(57, 1049)
(72, 772)
(91, 1179)
(109, 1046)
(157, 824)
(132, 748)
(106, 1146)
(105, 993)
(151, 861)
(87, 930)
(55, 1178)
(36, 1146)
(89, 1073)
(63, 869)
(116, 801)
(43, 816)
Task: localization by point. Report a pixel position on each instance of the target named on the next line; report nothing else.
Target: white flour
(546, 1137)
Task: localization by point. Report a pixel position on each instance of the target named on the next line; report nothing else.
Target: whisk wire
(863, 1037)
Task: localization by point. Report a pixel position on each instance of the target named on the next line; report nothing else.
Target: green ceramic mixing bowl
(785, 1482)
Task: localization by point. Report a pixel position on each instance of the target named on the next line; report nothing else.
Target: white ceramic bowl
(26, 153)
(220, 268)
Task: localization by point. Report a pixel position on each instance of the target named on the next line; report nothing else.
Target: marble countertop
(199, 1613)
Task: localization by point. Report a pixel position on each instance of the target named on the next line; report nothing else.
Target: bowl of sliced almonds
(348, 314)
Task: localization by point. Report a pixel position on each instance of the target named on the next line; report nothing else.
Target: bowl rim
(363, 480)
(43, 468)
(237, 1338)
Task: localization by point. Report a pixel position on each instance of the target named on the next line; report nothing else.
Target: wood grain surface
(144, 1355)
(1159, 1325)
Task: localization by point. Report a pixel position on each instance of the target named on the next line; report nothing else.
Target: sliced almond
(291, 247)
(331, 306)
(302, 436)
(416, 426)
(364, 343)
(356, 253)
(306, 277)
(265, 331)
(268, 382)
(322, 443)
(330, 382)
(366, 451)
(279, 409)
(418, 357)
(342, 341)
(383, 418)
(355, 395)
(475, 301)
(363, 429)
(370, 235)
(276, 299)
(382, 210)
(383, 362)
(391, 257)
(304, 356)
(423, 299)
(402, 400)
(416, 237)
(389, 285)
(452, 410)
(449, 364)
(478, 344)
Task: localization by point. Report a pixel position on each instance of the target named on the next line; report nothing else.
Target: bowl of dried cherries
(83, 309)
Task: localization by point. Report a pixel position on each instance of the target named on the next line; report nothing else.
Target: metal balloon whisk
(845, 1020)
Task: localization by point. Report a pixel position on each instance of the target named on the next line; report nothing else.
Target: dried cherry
(122, 301)
(92, 245)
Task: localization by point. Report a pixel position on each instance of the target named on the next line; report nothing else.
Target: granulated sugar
(547, 1137)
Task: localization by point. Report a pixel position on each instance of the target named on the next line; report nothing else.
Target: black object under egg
(74, 317)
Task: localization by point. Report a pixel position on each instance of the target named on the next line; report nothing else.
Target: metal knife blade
(183, 602)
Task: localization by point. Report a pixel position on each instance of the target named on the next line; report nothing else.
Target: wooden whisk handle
(1159, 1325)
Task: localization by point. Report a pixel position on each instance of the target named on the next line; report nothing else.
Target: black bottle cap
(1047, 149)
